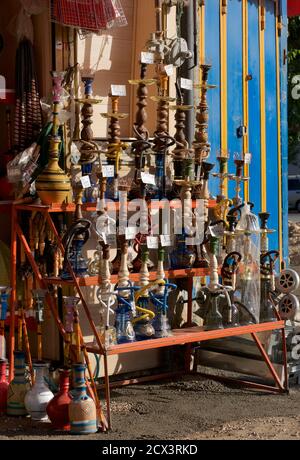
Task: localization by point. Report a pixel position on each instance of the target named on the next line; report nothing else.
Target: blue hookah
(160, 301)
(125, 308)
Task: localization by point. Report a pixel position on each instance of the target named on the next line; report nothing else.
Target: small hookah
(228, 273)
(4, 296)
(115, 146)
(142, 144)
(89, 149)
(125, 296)
(39, 298)
(53, 185)
(142, 322)
(159, 299)
(70, 304)
(238, 178)
(74, 240)
(267, 271)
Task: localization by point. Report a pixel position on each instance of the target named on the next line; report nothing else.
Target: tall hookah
(183, 156)
(115, 146)
(201, 148)
(223, 203)
(88, 149)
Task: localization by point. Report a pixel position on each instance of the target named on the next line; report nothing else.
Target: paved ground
(294, 216)
(190, 409)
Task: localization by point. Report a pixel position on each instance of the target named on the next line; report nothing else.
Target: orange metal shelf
(187, 335)
(96, 280)
(91, 207)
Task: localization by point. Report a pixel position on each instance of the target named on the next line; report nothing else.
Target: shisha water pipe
(53, 185)
(142, 322)
(73, 241)
(106, 299)
(228, 273)
(238, 178)
(142, 144)
(125, 296)
(70, 303)
(4, 293)
(267, 271)
(159, 299)
(115, 145)
(39, 297)
(89, 149)
(162, 140)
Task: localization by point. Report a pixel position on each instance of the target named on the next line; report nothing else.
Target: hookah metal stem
(27, 345)
(77, 336)
(20, 331)
(39, 342)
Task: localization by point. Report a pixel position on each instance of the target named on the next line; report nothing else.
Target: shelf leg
(107, 390)
(188, 347)
(285, 364)
(267, 361)
(13, 297)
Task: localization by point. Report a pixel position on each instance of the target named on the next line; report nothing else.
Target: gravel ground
(190, 409)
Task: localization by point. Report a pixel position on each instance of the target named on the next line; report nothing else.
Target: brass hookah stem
(202, 147)
(87, 114)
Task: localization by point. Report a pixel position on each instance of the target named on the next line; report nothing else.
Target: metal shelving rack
(185, 336)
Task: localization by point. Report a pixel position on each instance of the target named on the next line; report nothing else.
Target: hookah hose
(267, 262)
(147, 313)
(80, 227)
(161, 305)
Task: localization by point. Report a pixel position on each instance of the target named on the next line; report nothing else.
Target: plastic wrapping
(248, 280)
(21, 25)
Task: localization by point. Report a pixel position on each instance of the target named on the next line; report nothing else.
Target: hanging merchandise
(37, 398)
(18, 387)
(58, 407)
(90, 15)
(28, 118)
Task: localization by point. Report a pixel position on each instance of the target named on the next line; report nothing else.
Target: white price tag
(148, 178)
(130, 233)
(108, 171)
(152, 242)
(85, 181)
(247, 158)
(111, 240)
(147, 58)
(118, 90)
(166, 240)
(169, 69)
(216, 230)
(186, 83)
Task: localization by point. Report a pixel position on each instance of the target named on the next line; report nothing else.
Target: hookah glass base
(124, 328)
(161, 326)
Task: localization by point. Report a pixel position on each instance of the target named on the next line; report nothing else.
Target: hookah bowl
(58, 408)
(37, 398)
(124, 327)
(3, 386)
(82, 409)
(18, 387)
